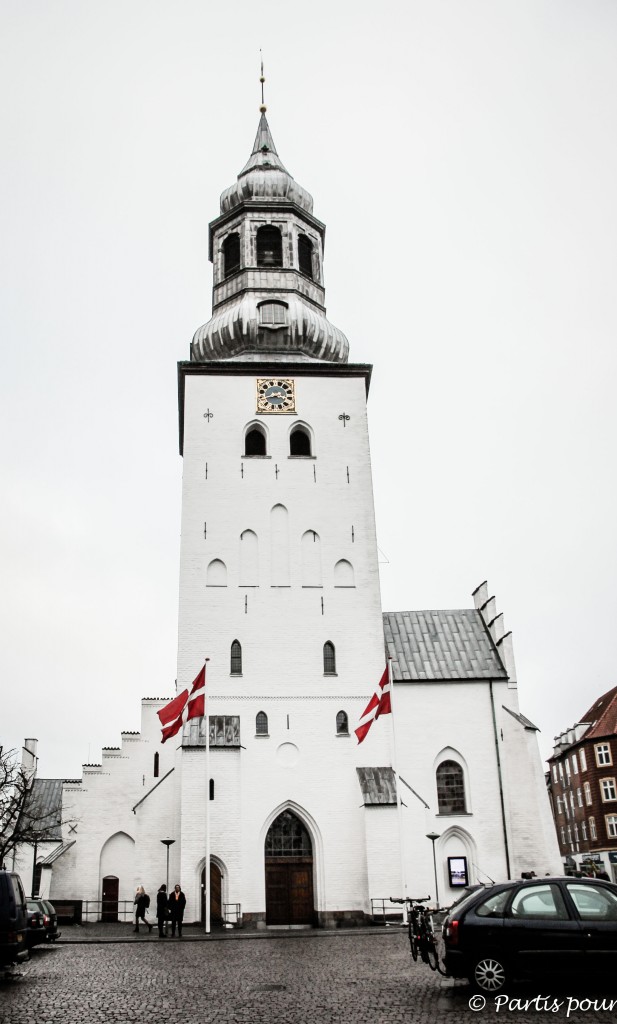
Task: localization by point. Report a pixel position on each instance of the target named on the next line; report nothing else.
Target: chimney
(29, 758)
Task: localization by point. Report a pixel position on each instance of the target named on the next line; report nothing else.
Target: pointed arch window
(231, 255)
(156, 766)
(329, 659)
(236, 659)
(342, 724)
(269, 247)
(305, 256)
(287, 837)
(255, 442)
(261, 724)
(451, 788)
(300, 442)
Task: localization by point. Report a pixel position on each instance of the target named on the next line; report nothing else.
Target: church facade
(279, 589)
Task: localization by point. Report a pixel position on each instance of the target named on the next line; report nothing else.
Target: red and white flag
(184, 707)
(379, 704)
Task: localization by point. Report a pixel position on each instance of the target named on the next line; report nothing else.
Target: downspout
(499, 776)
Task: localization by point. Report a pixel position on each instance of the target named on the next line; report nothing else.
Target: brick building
(583, 789)
(279, 586)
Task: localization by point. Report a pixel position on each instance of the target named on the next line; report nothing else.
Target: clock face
(275, 395)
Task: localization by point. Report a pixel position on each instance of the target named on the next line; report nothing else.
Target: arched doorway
(289, 872)
(216, 897)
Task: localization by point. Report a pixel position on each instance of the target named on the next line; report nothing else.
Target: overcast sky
(463, 156)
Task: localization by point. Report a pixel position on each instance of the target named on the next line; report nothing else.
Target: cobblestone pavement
(315, 978)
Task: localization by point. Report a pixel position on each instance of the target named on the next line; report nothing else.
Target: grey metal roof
(452, 644)
(377, 785)
(58, 852)
(44, 807)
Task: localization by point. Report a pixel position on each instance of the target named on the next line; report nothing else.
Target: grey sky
(464, 159)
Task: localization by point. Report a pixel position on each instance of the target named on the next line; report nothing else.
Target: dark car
(13, 920)
(36, 931)
(50, 917)
(540, 926)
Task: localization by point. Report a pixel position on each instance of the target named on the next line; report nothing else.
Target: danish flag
(184, 707)
(379, 704)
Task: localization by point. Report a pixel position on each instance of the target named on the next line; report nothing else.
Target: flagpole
(399, 806)
(207, 874)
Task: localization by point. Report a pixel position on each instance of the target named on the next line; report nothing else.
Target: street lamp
(168, 843)
(434, 836)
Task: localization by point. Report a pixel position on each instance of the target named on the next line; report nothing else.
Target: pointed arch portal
(289, 872)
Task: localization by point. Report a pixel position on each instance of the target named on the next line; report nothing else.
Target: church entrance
(216, 899)
(289, 872)
(109, 903)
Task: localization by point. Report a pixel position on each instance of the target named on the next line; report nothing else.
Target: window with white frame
(587, 791)
(611, 825)
(579, 797)
(575, 764)
(570, 835)
(575, 832)
(583, 760)
(563, 835)
(572, 801)
(592, 828)
(559, 807)
(561, 771)
(568, 769)
(603, 754)
(554, 773)
(584, 829)
(608, 789)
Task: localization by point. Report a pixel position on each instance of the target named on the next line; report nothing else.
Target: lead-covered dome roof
(265, 177)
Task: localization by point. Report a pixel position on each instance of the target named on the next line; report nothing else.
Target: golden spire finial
(263, 107)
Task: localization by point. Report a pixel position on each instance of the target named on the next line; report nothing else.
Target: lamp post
(434, 836)
(167, 843)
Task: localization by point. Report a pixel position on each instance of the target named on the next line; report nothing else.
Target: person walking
(142, 902)
(177, 903)
(161, 910)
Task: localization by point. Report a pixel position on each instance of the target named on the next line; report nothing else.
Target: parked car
(36, 931)
(50, 918)
(13, 919)
(539, 926)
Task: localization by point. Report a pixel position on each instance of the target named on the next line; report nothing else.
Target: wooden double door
(289, 890)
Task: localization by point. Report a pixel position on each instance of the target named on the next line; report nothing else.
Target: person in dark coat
(142, 902)
(161, 910)
(177, 903)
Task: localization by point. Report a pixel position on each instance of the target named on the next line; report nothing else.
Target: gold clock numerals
(275, 395)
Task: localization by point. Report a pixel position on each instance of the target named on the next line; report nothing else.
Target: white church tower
(279, 583)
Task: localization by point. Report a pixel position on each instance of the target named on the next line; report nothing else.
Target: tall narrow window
(342, 724)
(299, 442)
(450, 788)
(156, 766)
(329, 659)
(305, 255)
(261, 724)
(211, 788)
(231, 255)
(269, 247)
(236, 659)
(311, 559)
(249, 559)
(255, 441)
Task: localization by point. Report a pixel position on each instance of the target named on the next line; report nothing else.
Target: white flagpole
(207, 875)
(399, 806)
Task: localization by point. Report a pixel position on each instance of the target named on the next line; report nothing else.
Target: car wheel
(489, 974)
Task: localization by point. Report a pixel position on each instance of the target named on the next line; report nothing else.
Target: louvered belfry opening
(231, 255)
(269, 247)
(305, 255)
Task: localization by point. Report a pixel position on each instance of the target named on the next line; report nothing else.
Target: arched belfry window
(255, 441)
(231, 255)
(261, 724)
(342, 724)
(236, 659)
(305, 255)
(300, 442)
(329, 659)
(450, 788)
(269, 247)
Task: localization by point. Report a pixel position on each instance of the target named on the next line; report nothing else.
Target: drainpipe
(499, 776)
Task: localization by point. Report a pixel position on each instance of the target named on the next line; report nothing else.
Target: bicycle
(420, 930)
